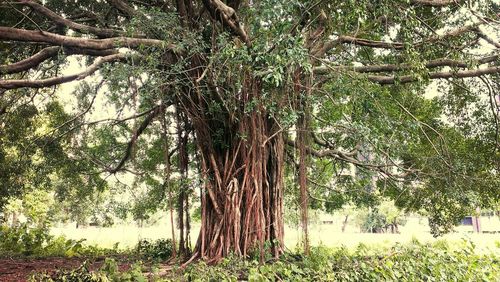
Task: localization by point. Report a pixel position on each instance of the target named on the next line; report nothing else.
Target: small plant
(80, 274)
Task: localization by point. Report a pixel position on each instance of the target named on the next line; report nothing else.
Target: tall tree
(243, 73)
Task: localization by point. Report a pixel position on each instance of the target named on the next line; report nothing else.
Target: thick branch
(14, 83)
(368, 43)
(487, 38)
(15, 34)
(392, 67)
(101, 32)
(30, 62)
(346, 39)
(434, 75)
(123, 7)
(434, 3)
(227, 16)
(48, 53)
(356, 41)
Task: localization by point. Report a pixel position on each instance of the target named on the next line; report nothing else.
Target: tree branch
(487, 38)
(30, 62)
(135, 136)
(346, 39)
(393, 67)
(333, 153)
(23, 35)
(14, 83)
(227, 16)
(434, 75)
(434, 3)
(326, 144)
(123, 7)
(345, 157)
(48, 53)
(101, 32)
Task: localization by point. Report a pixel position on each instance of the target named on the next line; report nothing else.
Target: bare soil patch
(20, 269)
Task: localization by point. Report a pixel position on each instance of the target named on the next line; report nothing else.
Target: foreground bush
(108, 272)
(37, 242)
(160, 249)
(411, 262)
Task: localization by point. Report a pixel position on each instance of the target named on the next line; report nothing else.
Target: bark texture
(242, 166)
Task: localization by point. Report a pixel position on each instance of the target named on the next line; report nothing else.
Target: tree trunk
(166, 152)
(183, 199)
(242, 166)
(302, 139)
(303, 134)
(344, 224)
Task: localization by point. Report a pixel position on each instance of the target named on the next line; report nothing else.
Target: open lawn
(382, 257)
(327, 234)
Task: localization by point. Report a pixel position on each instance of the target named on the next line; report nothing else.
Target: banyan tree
(248, 83)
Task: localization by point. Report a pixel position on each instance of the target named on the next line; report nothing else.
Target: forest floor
(20, 269)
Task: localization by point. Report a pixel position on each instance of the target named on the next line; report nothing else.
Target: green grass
(325, 234)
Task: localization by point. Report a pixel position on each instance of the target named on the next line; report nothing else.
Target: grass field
(326, 234)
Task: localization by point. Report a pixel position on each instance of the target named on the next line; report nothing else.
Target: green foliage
(37, 206)
(442, 146)
(382, 218)
(37, 242)
(23, 240)
(412, 262)
(160, 249)
(37, 164)
(109, 271)
(80, 274)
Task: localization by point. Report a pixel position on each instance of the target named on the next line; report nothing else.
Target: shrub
(160, 249)
(26, 241)
(23, 240)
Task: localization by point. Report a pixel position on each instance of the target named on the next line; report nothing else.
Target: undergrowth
(28, 241)
(157, 250)
(409, 262)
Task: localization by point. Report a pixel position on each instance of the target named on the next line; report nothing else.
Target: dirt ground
(20, 269)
